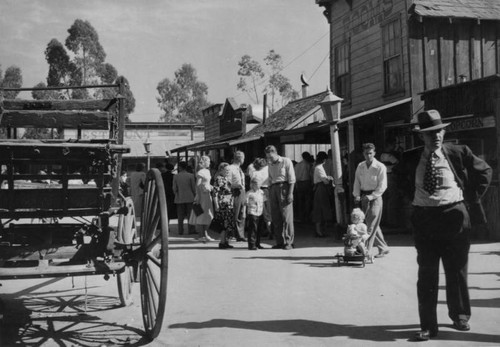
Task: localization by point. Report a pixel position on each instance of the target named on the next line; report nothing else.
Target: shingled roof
(287, 115)
(472, 9)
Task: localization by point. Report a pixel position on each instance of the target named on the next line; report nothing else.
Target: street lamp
(147, 148)
(331, 109)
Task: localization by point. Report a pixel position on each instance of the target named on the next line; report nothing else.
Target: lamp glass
(147, 146)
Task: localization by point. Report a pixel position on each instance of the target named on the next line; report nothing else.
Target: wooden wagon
(58, 196)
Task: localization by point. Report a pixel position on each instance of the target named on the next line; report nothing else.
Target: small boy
(255, 219)
(357, 234)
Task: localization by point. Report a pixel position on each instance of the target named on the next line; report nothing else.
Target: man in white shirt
(237, 181)
(370, 182)
(282, 181)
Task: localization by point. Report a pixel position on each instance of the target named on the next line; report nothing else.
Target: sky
(149, 40)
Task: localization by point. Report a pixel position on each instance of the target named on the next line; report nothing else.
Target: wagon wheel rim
(154, 264)
(126, 234)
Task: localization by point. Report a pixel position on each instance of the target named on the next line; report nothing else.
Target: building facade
(390, 59)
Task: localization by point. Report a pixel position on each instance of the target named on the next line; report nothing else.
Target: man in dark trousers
(446, 182)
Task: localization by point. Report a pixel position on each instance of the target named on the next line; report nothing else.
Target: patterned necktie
(430, 176)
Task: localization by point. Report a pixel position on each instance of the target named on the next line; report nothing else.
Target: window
(393, 64)
(342, 71)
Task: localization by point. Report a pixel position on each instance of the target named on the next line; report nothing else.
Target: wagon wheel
(127, 235)
(154, 244)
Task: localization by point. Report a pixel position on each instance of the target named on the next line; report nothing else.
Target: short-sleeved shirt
(262, 176)
(281, 171)
(303, 171)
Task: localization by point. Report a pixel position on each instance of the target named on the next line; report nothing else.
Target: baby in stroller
(357, 234)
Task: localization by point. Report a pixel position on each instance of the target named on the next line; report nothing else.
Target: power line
(266, 79)
(326, 56)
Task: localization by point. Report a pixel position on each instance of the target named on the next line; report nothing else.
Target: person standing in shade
(184, 188)
(282, 180)
(304, 190)
(322, 210)
(237, 182)
(168, 178)
(137, 181)
(445, 182)
(370, 182)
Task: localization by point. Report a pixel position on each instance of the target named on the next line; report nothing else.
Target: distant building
(163, 137)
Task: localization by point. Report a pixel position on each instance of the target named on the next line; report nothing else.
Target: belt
(437, 208)
(264, 187)
(279, 183)
(366, 192)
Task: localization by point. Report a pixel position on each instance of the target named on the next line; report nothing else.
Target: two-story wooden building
(390, 59)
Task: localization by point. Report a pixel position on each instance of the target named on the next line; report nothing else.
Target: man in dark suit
(446, 183)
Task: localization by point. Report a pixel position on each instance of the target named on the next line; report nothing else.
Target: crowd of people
(443, 181)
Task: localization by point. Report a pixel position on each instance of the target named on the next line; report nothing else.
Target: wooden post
(337, 173)
(121, 130)
(351, 156)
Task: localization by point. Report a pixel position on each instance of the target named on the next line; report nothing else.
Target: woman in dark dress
(223, 201)
(322, 210)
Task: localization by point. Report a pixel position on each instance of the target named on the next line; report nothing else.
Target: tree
(251, 72)
(182, 98)
(44, 94)
(13, 78)
(278, 83)
(252, 77)
(86, 66)
(83, 41)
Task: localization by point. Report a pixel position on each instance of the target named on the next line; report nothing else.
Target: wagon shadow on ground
(38, 319)
(310, 328)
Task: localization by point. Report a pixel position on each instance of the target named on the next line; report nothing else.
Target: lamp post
(331, 109)
(147, 148)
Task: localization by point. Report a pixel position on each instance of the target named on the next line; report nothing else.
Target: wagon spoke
(155, 260)
(153, 278)
(152, 295)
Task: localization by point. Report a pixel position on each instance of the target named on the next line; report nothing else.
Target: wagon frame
(45, 183)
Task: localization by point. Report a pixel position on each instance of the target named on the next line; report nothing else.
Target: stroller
(357, 243)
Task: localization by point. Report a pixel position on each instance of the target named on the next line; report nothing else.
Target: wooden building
(390, 59)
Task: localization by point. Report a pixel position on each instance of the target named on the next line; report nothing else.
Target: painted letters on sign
(370, 13)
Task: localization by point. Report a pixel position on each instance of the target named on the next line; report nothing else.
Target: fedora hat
(429, 120)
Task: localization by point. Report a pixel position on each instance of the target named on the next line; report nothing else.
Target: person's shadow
(317, 329)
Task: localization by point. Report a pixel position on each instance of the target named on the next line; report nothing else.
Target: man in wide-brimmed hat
(445, 182)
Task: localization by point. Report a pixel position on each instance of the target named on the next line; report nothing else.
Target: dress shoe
(260, 247)
(287, 247)
(277, 246)
(225, 245)
(382, 254)
(461, 324)
(241, 239)
(425, 335)
(252, 248)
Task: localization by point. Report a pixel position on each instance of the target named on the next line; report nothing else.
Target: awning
(219, 142)
(319, 133)
(374, 110)
(244, 140)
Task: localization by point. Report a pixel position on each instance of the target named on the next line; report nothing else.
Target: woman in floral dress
(224, 205)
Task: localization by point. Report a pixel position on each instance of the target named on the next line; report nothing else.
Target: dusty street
(256, 298)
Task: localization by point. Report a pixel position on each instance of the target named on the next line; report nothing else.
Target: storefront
(473, 109)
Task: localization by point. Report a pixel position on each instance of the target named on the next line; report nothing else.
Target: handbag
(198, 210)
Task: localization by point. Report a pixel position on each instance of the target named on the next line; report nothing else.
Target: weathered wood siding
(442, 51)
(212, 124)
(362, 27)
